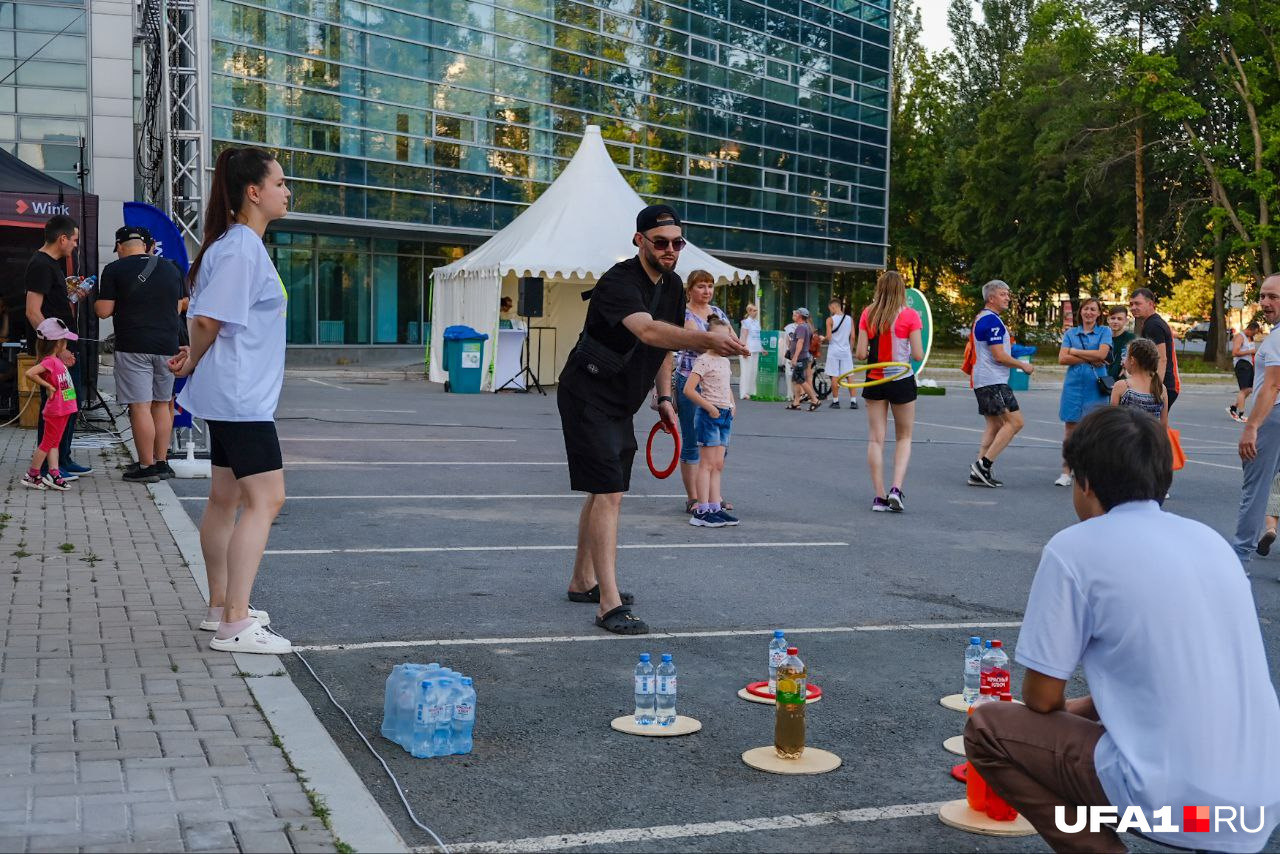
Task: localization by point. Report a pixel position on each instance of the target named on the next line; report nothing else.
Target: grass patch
(67, 547)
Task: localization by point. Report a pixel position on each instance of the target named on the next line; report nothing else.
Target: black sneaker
(896, 500)
(142, 475)
(853, 404)
(165, 470)
(1264, 544)
(980, 475)
(835, 404)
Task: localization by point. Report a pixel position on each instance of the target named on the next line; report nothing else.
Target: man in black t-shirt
(141, 292)
(633, 323)
(47, 296)
(1149, 325)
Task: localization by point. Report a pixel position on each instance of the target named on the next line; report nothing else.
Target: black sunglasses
(662, 242)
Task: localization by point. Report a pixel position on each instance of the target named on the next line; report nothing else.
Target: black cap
(655, 216)
(133, 232)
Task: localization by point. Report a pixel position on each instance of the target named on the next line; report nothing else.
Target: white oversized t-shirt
(1167, 633)
(240, 375)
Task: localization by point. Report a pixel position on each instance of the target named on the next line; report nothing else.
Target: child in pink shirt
(50, 372)
(708, 387)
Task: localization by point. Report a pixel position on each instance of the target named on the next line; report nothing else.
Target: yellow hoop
(869, 383)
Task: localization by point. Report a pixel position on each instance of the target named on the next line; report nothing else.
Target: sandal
(725, 505)
(593, 595)
(814, 406)
(1264, 544)
(690, 504)
(621, 621)
(793, 406)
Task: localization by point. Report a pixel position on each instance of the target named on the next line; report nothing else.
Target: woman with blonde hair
(749, 366)
(699, 288)
(889, 331)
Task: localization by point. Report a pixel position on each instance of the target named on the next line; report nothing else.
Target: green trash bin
(464, 356)
(1019, 381)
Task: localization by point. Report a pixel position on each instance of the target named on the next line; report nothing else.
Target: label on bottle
(972, 666)
(421, 715)
(438, 713)
(777, 657)
(464, 712)
(644, 684)
(998, 679)
(666, 684)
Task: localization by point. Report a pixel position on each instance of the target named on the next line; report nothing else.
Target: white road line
(635, 835)
(348, 440)
(388, 411)
(413, 463)
(435, 549)
(727, 633)
(1214, 465)
(323, 383)
(503, 497)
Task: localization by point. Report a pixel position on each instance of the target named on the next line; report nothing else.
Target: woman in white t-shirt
(235, 365)
(748, 366)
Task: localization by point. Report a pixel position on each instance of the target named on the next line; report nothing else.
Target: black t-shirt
(1158, 332)
(146, 313)
(48, 277)
(624, 290)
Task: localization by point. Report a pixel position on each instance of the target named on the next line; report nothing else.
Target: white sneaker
(262, 617)
(253, 639)
(1063, 480)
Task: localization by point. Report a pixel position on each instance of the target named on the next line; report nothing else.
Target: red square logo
(1196, 819)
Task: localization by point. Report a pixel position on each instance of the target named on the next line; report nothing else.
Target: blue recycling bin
(464, 359)
(1019, 381)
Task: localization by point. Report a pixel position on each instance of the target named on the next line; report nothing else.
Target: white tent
(577, 229)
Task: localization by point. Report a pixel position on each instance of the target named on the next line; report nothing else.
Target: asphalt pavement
(425, 527)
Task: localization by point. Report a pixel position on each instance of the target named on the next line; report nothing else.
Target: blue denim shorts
(713, 432)
(685, 409)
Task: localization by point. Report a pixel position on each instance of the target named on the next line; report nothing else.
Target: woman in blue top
(1084, 350)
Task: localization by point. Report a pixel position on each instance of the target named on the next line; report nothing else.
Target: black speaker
(530, 297)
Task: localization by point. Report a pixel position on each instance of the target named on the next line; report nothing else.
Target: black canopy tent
(28, 197)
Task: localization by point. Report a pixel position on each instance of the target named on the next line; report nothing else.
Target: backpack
(970, 357)
(815, 346)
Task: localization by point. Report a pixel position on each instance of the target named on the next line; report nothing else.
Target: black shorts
(245, 447)
(1244, 375)
(897, 392)
(800, 370)
(995, 400)
(601, 447)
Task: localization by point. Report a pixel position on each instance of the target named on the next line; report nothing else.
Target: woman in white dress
(748, 366)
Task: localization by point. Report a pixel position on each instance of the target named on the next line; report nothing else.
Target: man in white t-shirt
(1260, 440)
(1182, 712)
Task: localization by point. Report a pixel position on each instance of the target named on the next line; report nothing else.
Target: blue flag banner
(169, 242)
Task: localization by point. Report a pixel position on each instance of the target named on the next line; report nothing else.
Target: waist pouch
(600, 360)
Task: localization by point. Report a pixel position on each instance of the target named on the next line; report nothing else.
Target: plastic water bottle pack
(429, 710)
(655, 691)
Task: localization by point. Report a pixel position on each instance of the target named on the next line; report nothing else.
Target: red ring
(675, 454)
(761, 689)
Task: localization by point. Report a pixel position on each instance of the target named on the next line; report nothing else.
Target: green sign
(917, 300)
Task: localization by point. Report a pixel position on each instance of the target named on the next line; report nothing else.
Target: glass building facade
(44, 104)
(765, 123)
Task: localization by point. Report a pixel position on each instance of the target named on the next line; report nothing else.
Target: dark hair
(1119, 309)
(1253, 324)
(1121, 455)
(1145, 355)
(237, 169)
(716, 320)
(59, 225)
(45, 347)
(1144, 292)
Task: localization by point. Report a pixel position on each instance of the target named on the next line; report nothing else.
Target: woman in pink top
(50, 372)
(708, 389)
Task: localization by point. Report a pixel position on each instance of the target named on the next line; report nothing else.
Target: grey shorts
(143, 378)
(995, 400)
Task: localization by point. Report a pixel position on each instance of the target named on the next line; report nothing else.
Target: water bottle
(389, 702)
(666, 691)
(646, 696)
(777, 655)
(995, 668)
(407, 705)
(420, 746)
(441, 712)
(972, 670)
(464, 716)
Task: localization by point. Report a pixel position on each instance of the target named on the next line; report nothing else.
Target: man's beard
(657, 263)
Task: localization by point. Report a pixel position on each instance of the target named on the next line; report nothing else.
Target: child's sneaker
(879, 505)
(706, 519)
(896, 500)
(36, 482)
(727, 517)
(54, 480)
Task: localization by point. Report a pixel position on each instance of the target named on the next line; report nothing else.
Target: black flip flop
(1264, 544)
(620, 621)
(593, 596)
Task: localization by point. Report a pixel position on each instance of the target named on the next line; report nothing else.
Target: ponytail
(236, 170)
(1144, 353)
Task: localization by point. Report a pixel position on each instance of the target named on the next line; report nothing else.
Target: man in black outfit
(142, 292)
(1149, 325)
(47, 296)
(634, 321)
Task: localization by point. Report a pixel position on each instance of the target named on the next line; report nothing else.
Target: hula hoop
(869, 383)
(675, 454)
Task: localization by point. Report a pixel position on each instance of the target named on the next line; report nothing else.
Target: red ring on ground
(675, 454)
(761, 689)
(960, 772)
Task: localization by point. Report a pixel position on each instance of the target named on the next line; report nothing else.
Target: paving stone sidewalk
(119, 729)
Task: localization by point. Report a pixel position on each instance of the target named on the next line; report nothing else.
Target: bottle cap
(1006, 697)
(793, 650)
(666, 656)
(443, 681)
(988, 644)
(777, 633)
(997, 644)
(975, 640)
(985, 689)
(426, 683)
(644, 656)
(466, 680)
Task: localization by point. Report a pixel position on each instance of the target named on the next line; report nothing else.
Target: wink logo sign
(1194, 820)
(41, 208)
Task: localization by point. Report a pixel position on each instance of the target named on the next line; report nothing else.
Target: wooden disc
(682, 726)
(955, 744)
(958, 815)
(768, 701)
(954, 702)
(812, 761)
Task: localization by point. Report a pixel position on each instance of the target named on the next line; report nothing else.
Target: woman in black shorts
(235, 363)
